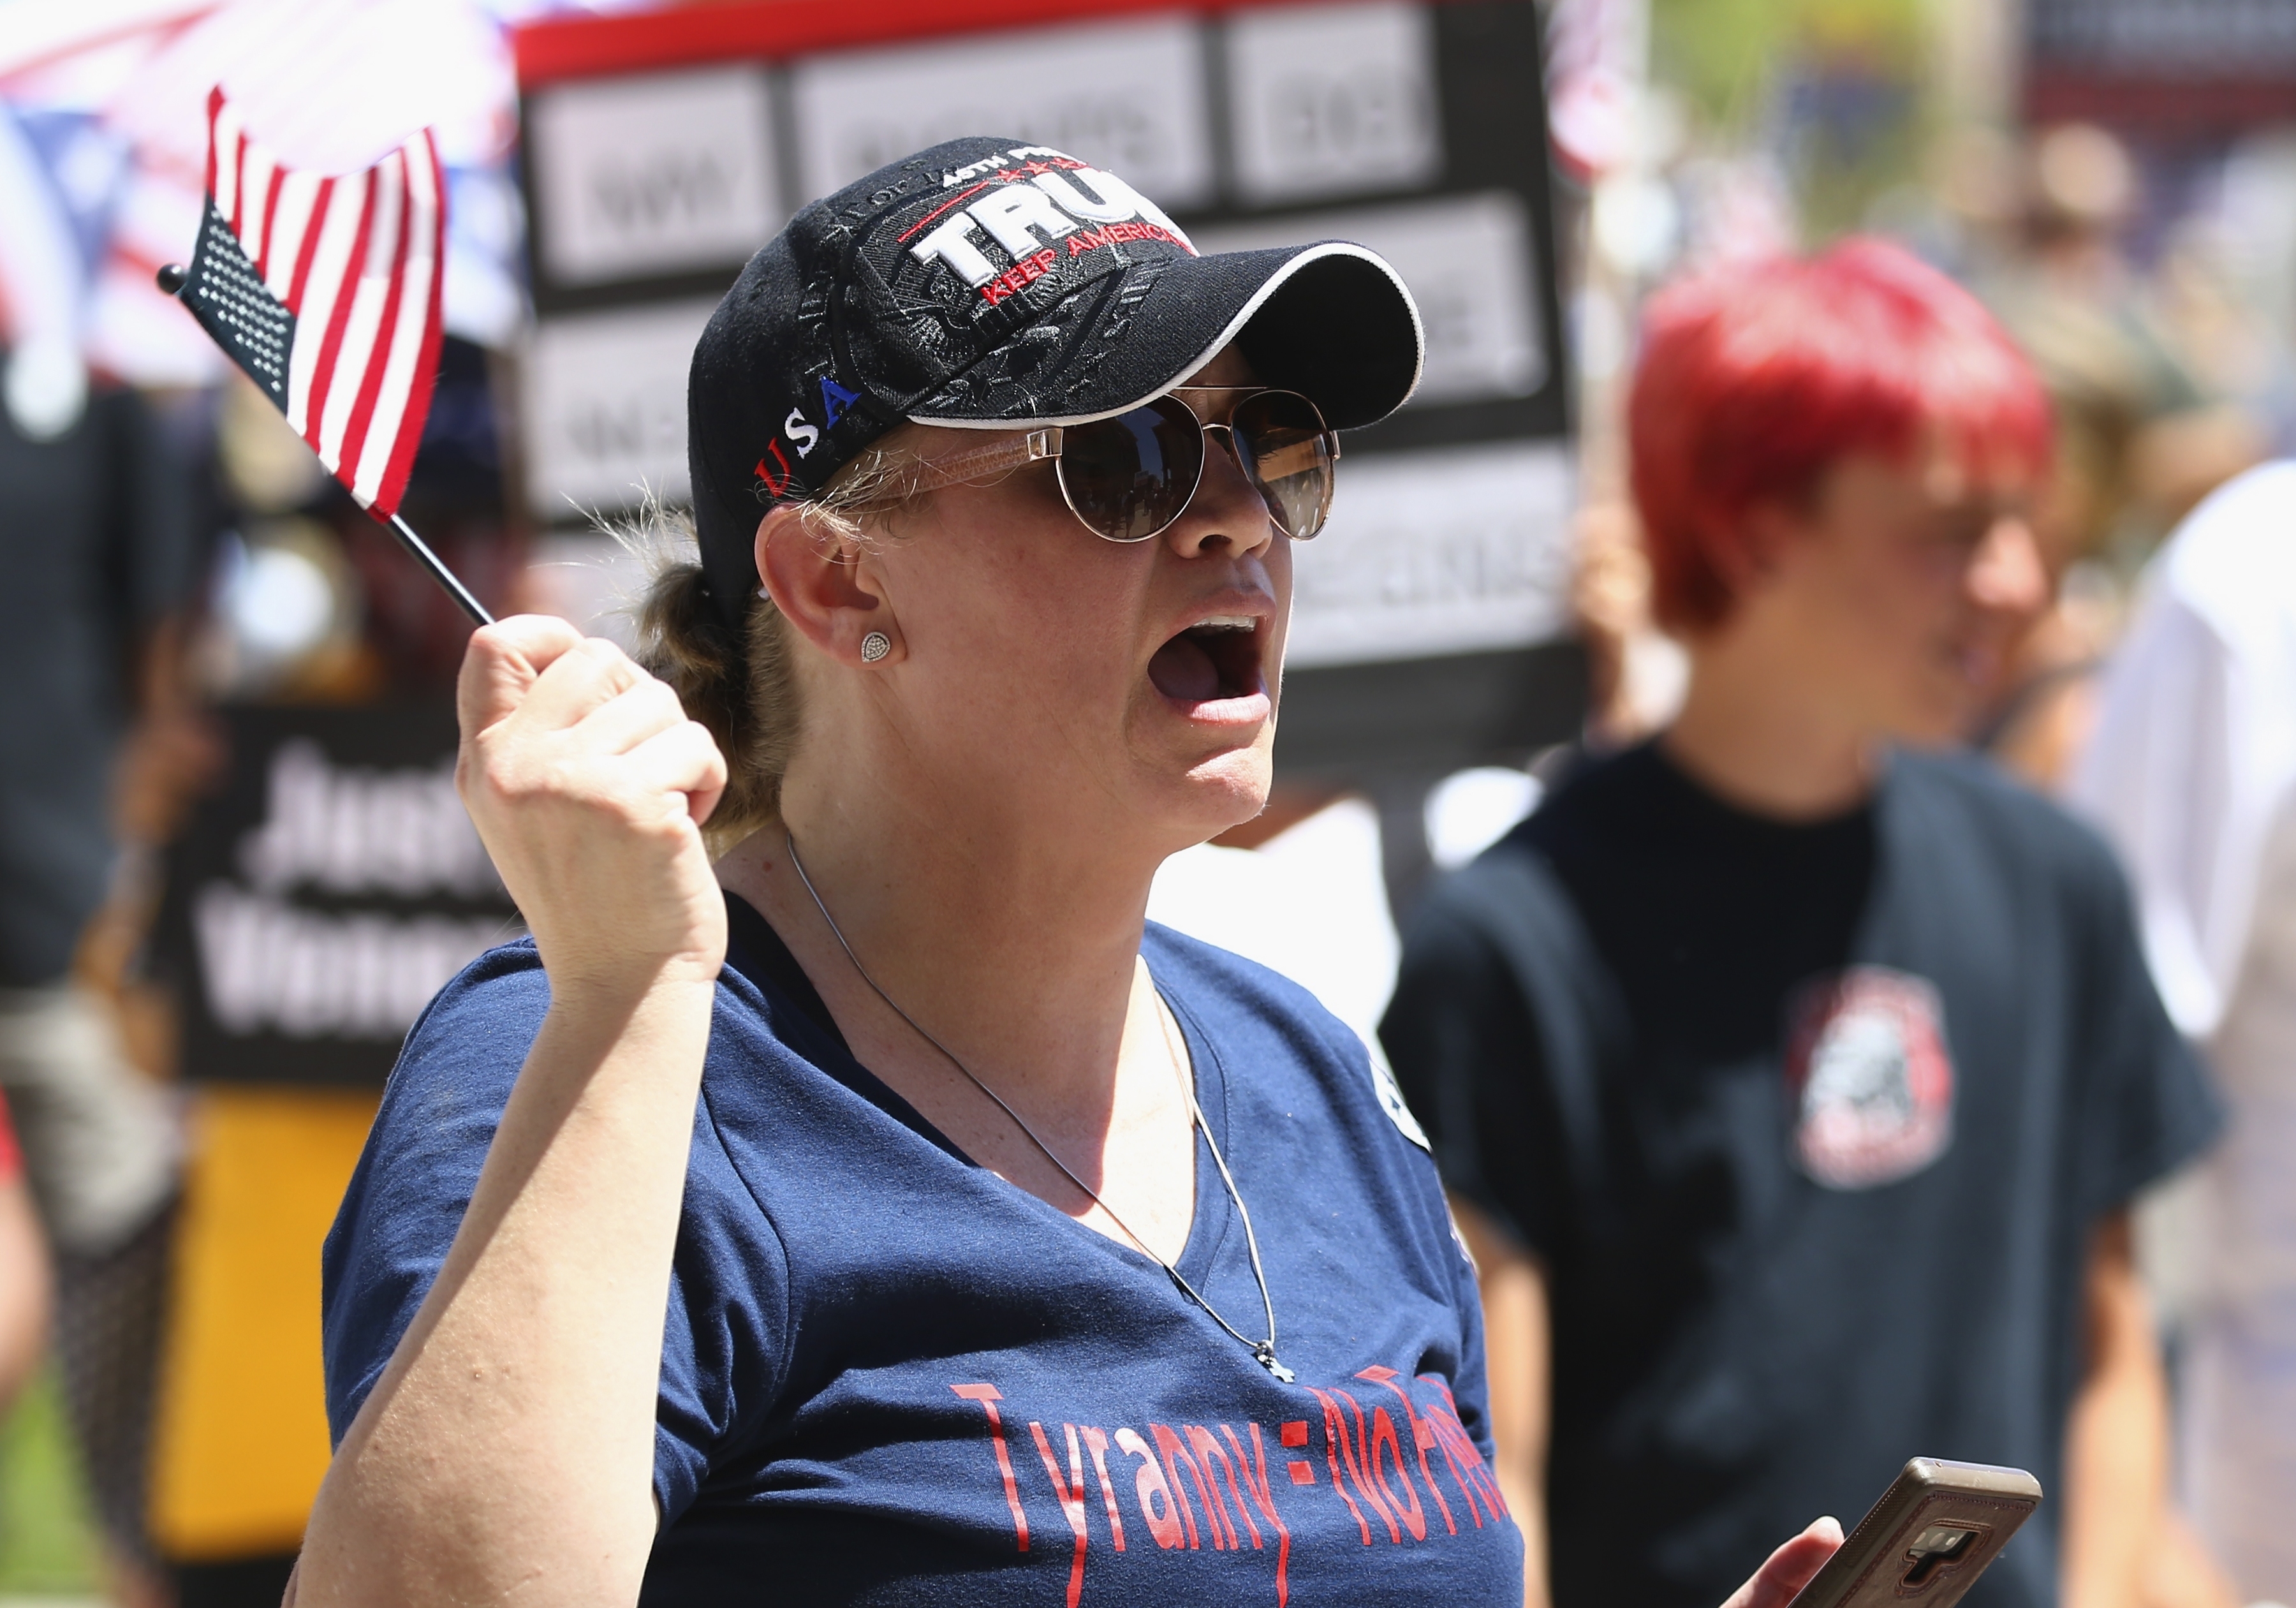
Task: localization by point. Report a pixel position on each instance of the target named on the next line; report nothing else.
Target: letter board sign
(2186, 72)
(322, 892)
(1430, 617)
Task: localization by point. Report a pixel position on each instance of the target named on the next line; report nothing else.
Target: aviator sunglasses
(1130, 478)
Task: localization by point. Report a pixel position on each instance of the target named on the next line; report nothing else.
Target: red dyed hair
(1754, 380)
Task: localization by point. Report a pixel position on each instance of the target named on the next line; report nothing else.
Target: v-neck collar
(757, 953)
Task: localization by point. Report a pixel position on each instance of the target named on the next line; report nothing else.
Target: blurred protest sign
(315, 900)
(663, 147)
(320, 897)
(239, 1440)
(2191, 67)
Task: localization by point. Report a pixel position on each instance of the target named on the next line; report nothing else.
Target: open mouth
(1214, 659)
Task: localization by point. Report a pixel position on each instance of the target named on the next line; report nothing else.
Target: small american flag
(325, 290)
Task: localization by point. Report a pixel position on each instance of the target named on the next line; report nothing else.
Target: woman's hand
(589, 786)
(1789, 1568)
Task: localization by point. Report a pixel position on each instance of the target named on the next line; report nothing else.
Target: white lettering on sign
(270, 967)
(1332, 100)
(1128, 96)
(654, 174)
(1455, 550)
(351, 829)
(604, 398)
(1470, 263)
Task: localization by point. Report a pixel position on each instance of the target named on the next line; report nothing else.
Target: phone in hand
(1928, 1539)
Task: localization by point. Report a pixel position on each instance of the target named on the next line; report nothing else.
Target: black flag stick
(445, 577)
(172, 279)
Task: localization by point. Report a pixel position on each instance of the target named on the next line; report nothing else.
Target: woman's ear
(822, 586)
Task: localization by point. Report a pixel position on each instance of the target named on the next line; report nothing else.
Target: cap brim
(1333, 322)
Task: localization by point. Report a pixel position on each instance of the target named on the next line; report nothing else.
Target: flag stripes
(283, 245)
(358, 260)
(416, 282)
(337, 230)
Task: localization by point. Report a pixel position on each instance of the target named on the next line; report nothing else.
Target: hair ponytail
(745, 693)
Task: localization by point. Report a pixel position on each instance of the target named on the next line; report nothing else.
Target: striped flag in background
(325, 290)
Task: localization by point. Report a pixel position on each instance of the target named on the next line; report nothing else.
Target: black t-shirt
(1810, 1125)
(97, 539)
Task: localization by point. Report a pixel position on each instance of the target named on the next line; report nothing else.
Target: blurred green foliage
(47, 1537)
(1721, 56)
(1837, 91)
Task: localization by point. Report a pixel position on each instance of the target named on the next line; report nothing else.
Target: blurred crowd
(173, 549)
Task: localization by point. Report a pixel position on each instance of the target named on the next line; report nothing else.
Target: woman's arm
(508, 1448)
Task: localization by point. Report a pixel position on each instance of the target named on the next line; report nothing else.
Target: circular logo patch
(1391, 1101)
(1869, 1080)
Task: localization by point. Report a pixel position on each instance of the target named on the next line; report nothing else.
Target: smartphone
(1928, 1539)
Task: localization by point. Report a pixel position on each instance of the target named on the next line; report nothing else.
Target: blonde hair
(746, 692)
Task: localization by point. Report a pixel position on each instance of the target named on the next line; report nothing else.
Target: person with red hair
(1755, 383)
(1792, 1072)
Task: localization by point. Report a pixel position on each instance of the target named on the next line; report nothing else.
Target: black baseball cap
(990, 284)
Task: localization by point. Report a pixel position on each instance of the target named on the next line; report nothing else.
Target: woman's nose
(1227, 514)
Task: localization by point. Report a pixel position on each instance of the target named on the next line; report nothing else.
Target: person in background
(1792, 1080)
(2191, 772)
(94, 522)
(2139, 438)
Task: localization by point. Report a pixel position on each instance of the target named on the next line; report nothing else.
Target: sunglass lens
(1285, 447)
(1131, 476)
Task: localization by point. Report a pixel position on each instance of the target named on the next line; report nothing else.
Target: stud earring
(876, 646)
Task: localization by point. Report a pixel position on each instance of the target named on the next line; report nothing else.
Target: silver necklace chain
(1263, 1351)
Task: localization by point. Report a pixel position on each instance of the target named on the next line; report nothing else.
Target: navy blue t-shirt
(891, 1376)
(1811, 1125)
